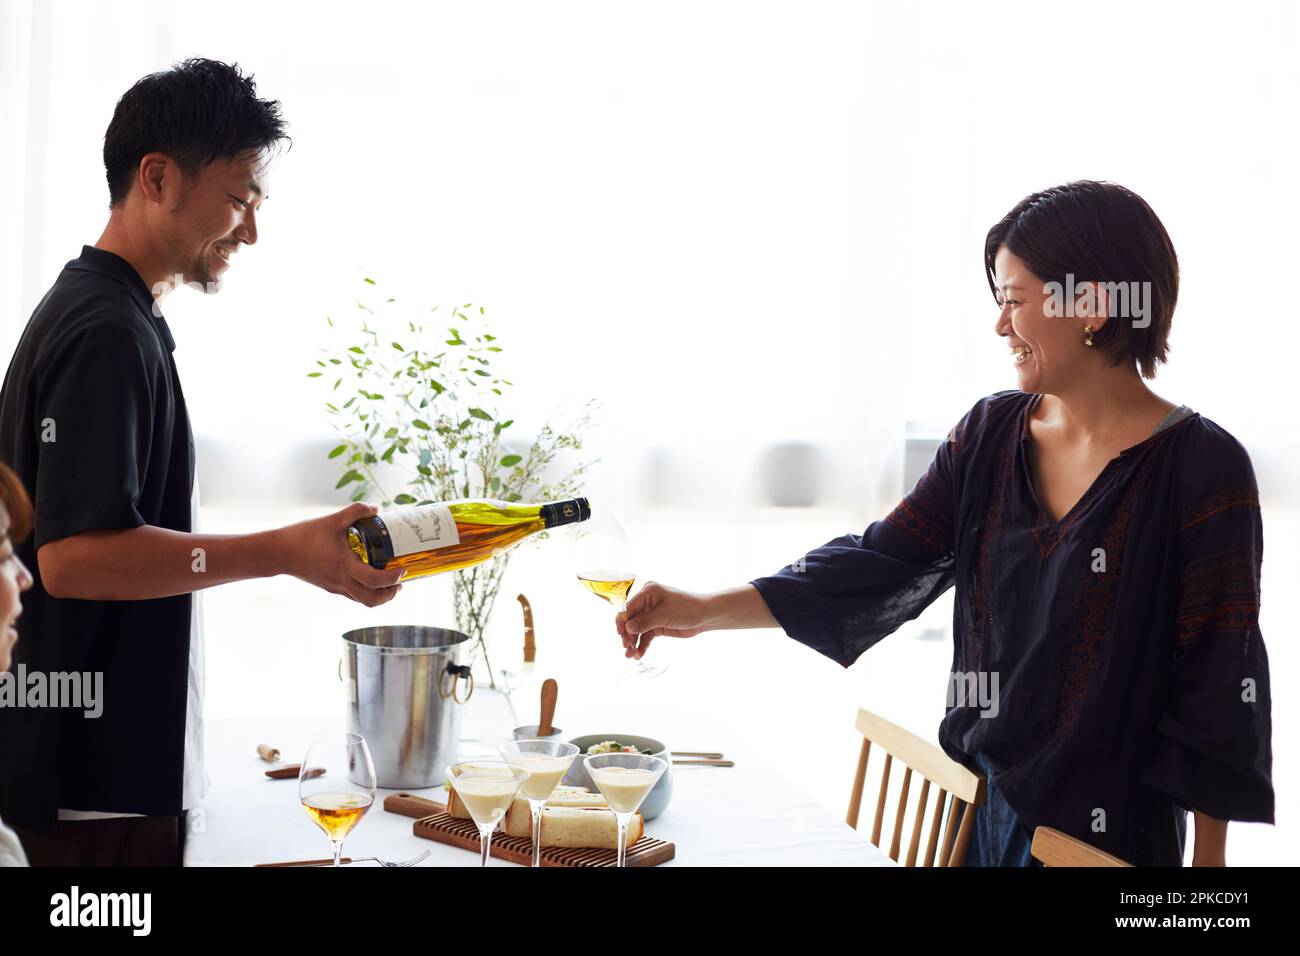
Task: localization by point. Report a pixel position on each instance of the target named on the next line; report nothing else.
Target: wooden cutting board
(433, 822)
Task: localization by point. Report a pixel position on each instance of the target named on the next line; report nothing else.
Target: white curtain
(736, 224)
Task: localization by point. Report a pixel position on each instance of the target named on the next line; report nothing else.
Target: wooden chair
(961, 789)
(1054, 848)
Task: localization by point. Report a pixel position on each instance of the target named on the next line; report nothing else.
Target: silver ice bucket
(405, 686)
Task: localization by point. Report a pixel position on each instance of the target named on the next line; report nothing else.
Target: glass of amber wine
(337, 785)
(604, 558)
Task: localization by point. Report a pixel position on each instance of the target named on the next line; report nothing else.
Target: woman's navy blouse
(1109, 666)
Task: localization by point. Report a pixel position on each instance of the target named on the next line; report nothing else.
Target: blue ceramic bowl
(657, 801)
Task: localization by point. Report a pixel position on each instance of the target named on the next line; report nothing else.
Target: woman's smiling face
(1045, 348)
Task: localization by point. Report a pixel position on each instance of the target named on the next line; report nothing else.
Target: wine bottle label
(420, 528)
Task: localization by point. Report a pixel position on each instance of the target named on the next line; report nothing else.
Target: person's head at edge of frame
(15, 525)
(1082, 254)
(187, 156)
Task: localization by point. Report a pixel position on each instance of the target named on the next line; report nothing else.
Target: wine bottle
(450, 535)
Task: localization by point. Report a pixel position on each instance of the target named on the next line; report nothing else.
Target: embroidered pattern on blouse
(1217, 593)
(980, 612)
(1048, 535)
(926, 513)
(1233, 498)
(1097, 604)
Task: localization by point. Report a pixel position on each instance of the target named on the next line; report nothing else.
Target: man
(93, 420)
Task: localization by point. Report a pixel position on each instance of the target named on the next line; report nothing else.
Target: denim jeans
(998, 838)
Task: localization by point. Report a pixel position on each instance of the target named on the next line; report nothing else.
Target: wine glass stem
(485, 843)
(637, 666)
(623, 820)
(338, 851)
(537, 830)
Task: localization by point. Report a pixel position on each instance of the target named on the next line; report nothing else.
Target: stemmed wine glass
(487, 788)
(547, 761)
(337, 785)
(625, 780)
(604, 560)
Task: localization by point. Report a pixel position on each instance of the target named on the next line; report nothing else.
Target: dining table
(747, 814)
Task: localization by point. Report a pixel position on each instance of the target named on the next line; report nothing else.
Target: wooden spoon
(550, 691)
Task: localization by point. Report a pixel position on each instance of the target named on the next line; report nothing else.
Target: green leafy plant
(422, 397)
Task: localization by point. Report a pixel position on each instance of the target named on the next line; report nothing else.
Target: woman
(1105, 545)
(15, 525)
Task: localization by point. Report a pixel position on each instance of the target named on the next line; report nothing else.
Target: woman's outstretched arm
(1211, 840)
(658, 609)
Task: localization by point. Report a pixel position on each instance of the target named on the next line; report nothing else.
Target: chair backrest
(960, 791)
(1054, 848)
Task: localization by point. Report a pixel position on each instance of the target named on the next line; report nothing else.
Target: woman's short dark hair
(197, 111)
(1098, 232)
(13, 498)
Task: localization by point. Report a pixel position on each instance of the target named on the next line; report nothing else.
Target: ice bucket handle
(450, 688)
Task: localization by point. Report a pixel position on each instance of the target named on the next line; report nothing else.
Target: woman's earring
(1087, 335)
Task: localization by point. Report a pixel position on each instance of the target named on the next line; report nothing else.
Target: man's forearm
(149, 562)
(1211, 841)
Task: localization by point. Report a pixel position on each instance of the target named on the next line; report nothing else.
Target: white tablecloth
(746, 815)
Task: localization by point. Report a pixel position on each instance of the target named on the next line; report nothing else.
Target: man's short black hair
(1099, 232)
(195, 112)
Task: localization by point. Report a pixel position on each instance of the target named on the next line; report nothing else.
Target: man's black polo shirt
(93, 420)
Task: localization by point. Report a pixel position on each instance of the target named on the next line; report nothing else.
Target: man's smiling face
(213, 214)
